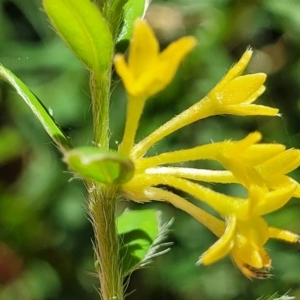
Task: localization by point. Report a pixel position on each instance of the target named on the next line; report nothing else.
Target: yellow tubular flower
(148, 72)
(260, 168)
(243, 239)
(234, 94)
(248, 164)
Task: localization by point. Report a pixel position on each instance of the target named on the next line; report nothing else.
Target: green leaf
(81, 25)
(116, 16)
(132, 10)
(100, 165)
(141, 235)
(37, 108)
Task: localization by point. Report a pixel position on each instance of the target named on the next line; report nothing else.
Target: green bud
(100, 165)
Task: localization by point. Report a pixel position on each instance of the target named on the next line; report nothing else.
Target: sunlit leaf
(132, 10)
(81, 25)
(37, 108)
(100, 165)
(117, 14)
(141, 235)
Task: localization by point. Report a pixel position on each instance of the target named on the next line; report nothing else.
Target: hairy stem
(103, 198)
(102, 210)
(100, 92)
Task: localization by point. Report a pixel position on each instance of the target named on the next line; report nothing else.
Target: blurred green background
(45, 237)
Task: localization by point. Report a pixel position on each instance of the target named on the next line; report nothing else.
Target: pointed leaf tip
(37, 108)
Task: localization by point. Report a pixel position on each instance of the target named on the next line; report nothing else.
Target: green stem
(103, 198)
(102, 211)
(100, 92)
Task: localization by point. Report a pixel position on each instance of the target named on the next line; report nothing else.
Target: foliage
(44, 232)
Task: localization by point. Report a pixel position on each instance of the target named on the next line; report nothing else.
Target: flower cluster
(260, 168)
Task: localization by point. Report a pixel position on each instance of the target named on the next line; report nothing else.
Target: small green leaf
(100, 165)
(141, 235)
(132, 10)
(37, 108)
(138, 230)
(116, 16)
(81, 25)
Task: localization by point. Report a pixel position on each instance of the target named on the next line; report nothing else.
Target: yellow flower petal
(274, 200)
(250, 110)
(223, 246)
(239, 89)
(163, 70)
(172, 56)
(125, 73)
(144, 49)
(255, 95)
(235, 71)
(282, 163)
(284, 235)
(259, 153)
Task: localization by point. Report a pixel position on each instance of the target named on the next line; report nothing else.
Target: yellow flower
(245, 232)
(234, 94)
(148, 72)
(244, 240)
(259, 168)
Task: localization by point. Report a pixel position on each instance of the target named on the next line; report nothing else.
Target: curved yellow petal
(250, 110)
(125, 73)
(235, 71)
(143, 50)
(285, 235)
(275, 200)
(255, 95)
(282, 163)
(222, 247)
(239, 89)
(161, 73)
(173, 55)
(259, 153)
